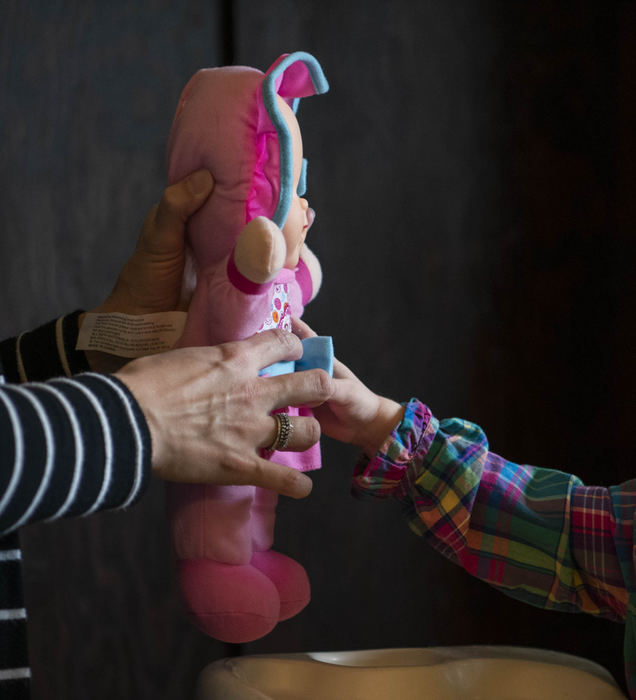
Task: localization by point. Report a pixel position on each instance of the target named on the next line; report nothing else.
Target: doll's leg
(231, 603)
(212, 522)
(227, 597)
(289, 577)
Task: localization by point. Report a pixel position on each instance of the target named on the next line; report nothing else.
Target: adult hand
(353, 413)
(152, 279)
(209, 412)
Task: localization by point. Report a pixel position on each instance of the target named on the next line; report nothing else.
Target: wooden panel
(464, 169)
(88, 93)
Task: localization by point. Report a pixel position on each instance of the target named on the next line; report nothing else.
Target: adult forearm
(70, 447)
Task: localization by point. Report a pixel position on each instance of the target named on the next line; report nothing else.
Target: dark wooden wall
(472, 170)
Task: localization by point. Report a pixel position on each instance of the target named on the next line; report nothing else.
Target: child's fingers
(344, 392)
(341, 371)
(302, 329)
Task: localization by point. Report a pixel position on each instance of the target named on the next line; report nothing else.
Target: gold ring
(284, 430)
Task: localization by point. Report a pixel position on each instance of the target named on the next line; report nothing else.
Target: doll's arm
(232, 301)
(260, 250)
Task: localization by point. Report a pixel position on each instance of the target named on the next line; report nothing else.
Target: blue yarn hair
(284, 138)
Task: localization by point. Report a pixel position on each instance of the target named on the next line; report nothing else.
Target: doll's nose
(304, 203)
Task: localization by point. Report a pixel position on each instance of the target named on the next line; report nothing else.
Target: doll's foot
(234, 604)
(289, 577)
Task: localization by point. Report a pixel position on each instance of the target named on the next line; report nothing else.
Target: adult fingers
(164, 228)
(309, 388)
(283, 480)
(251, 469)
(305, 432)
(264, 349)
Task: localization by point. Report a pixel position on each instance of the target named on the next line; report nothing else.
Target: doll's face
(298, 220)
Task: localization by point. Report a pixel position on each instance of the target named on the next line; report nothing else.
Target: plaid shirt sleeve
(539, 535)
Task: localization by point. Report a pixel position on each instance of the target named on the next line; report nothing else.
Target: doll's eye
(302, 180)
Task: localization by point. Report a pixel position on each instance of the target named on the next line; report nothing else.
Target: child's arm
(538, 535)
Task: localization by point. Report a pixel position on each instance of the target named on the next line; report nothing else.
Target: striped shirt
(539, 535)
(68, 447)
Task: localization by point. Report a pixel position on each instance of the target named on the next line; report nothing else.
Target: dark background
(473, 172)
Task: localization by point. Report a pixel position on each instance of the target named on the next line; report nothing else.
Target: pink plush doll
(254, 272)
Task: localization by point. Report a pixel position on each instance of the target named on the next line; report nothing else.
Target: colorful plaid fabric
(539, 535)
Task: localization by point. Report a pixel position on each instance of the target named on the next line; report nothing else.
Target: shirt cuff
(46, 352)
(386, 474)
(241, 282)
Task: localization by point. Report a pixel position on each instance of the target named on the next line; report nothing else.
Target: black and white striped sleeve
(70, 447)
(15, 673)
(67, 447)
(45, 352)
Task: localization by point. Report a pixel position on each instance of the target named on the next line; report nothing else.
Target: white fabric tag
(131, 336)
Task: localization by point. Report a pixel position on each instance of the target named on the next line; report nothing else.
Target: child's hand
(354, 414)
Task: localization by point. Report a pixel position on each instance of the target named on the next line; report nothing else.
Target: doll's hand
(152, 279)
(260, 250)
(353, 413)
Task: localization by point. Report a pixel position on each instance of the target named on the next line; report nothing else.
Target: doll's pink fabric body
(235, 587)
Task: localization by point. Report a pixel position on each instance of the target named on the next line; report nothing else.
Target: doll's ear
(292, 76)
(297, 75)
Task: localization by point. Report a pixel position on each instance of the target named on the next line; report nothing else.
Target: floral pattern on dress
(280, 310)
